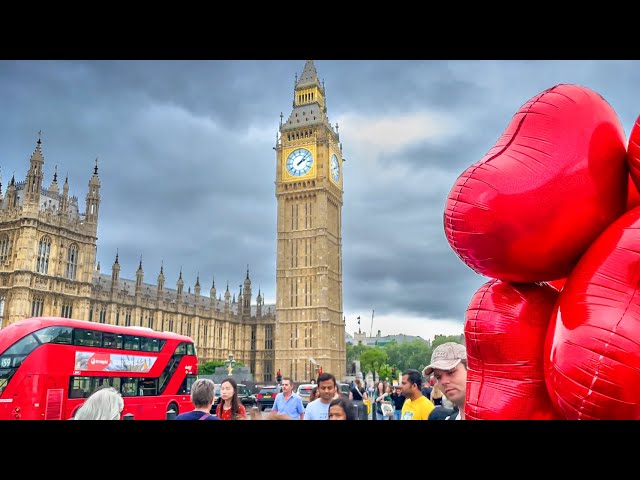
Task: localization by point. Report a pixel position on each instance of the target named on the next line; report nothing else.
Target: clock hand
(301, 160)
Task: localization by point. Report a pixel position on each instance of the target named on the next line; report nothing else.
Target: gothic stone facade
(47, 268)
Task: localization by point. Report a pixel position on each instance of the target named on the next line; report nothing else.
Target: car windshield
(269, 390)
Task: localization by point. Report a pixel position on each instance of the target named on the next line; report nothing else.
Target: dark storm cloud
(187, 167)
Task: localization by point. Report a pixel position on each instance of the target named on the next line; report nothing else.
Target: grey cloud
(187, 165)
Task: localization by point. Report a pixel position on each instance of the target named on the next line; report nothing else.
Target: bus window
(149, 344)
(148, 387)
(55, 335)
(185, 388)
(129, 387)
(17, 360)
(80, 387)
(112, 340)
(115, 382)
(87, 338)
(101, 382)
(131, 342)
(23, 346)
(11, 361)
(181, 349)
(191, 349)
(5, 376)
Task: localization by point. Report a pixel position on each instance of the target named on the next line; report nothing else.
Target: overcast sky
(187, 166)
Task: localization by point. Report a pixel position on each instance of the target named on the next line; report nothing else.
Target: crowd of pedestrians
(436, 393)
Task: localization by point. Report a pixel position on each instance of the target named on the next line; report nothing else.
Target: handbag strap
(355, 387)
(205, 416)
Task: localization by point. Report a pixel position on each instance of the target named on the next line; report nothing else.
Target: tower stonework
(47, 247)
(310, 329)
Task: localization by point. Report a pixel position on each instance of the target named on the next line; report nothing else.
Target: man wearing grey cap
(449, 367)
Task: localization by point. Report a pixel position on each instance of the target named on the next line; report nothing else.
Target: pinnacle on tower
(309, 75)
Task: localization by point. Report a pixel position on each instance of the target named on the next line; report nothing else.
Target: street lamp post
(230, 364)
(375, 385)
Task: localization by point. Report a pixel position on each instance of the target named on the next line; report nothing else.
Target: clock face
(335, 168)
(299, 162)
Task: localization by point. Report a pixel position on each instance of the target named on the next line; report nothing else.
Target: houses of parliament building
(48, 260)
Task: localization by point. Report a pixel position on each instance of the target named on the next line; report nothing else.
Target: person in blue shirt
(288, 402)
(319, 408)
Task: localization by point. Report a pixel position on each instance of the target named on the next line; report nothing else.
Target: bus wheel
(174, 406)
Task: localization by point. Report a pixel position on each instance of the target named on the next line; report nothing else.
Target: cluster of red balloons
(549, 215)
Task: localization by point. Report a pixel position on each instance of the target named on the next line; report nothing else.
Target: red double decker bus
(49, 366)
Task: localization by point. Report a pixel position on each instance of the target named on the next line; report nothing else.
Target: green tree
(440, 339)
(395, 354)
(354, 352)
(401, 356)
(373, 359)
(417, 354)
(209, 368)
(404, 356)
(386, 371)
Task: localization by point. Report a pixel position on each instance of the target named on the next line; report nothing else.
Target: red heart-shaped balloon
(633, 153)
(555, 179)
(504, 331)
(633, 197)
(592, 351)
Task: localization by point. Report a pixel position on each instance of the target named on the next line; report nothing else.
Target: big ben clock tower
(310, 330)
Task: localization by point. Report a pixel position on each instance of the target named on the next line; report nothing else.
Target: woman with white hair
(103, 404)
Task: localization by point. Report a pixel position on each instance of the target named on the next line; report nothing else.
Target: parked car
(267, 395)
(304, 390)
(247, 398)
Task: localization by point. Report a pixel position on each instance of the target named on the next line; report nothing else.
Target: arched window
(44, 250)
(5, 248)
(103, 314)
(268, 337)
(2, 311)
(67, 309)
(36, 306)
(72, 262)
